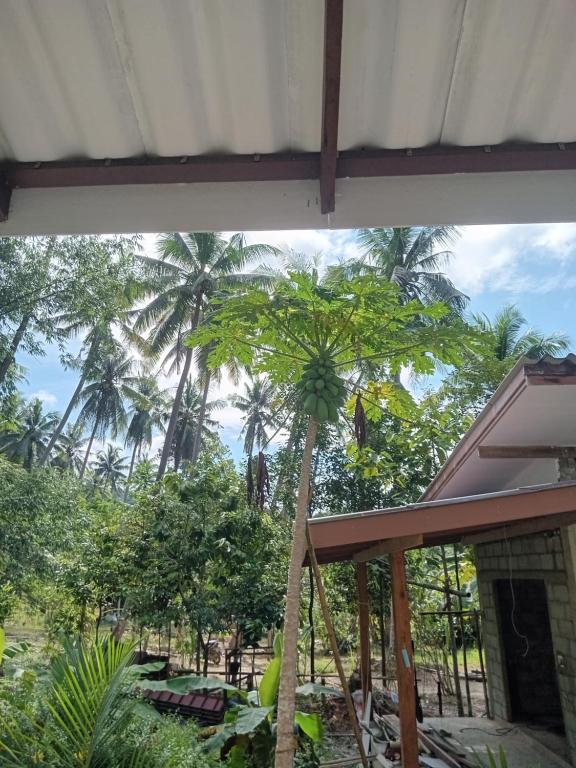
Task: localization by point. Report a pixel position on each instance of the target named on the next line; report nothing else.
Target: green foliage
(41, 513)
(84, 716)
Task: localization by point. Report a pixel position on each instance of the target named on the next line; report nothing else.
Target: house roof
(534, 406)
(136, 115)
(349, 537)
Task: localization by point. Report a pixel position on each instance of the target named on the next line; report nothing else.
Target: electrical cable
(513, 612)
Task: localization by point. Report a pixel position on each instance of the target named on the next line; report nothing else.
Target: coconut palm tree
(191, 405)
(32, 433)
(512, 339)
(71, 445)
(110, 467)
(104, 399)
(189, 270)
(256, 405)
(411, 257)
(147, 414)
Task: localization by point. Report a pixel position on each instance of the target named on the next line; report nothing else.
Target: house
(508, 489)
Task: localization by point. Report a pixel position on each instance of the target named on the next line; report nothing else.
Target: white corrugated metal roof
(117, 78)
(127, 78)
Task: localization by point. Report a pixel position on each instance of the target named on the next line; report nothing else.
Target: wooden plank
(404, 661)
(364, 625)
(333, 19)
(390, 545)
(334, 647)
(527, 451)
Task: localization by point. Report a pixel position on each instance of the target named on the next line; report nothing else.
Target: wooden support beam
(364, 625)
(539, 525)
(527, 452)
(5, 195)
(333, 18)
(404, 662)
(387, 547)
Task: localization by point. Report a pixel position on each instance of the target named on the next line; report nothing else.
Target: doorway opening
(528, 651)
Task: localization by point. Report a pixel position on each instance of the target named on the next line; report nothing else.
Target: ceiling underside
(138, 80)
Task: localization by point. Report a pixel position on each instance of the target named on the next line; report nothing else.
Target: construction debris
(437, 748)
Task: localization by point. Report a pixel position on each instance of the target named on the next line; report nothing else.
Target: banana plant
(248, 736)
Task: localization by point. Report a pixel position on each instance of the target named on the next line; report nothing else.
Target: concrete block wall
(540, 556)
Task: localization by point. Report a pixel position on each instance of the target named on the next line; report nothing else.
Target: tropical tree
(191, 406)
(309, 335)
(71, 445)
(146, 415)
(104, 400)
(32, 433)
(505, 339)
(110, 467)
(190, 269)
(411, 257)
(100, 312)
(510, 337)
(257, 406)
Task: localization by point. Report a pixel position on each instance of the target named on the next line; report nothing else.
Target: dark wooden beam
(5, 195)
(388, 546)
(333, 17)
(404, 662)
(288, 166)
(527, 452)
(364, 626)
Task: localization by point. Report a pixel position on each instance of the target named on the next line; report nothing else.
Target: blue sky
(531, 265)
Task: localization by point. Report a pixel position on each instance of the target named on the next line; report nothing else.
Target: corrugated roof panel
(120, 78)
(515, 62)
(397, 63)
(128, 77)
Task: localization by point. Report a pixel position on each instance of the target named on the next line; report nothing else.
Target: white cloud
(506, 258)
(44, 396)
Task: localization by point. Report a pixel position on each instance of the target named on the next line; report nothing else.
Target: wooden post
(335, 651)
(364, 623)
(404, 662)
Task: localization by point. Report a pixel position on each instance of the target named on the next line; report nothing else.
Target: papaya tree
(314, 338)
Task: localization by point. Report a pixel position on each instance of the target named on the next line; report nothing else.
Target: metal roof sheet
(128, 79)
(121, 78)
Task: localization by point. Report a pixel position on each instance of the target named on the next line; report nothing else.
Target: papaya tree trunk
(285, 744)
(200, 424)
(7, 361)
(171, 429)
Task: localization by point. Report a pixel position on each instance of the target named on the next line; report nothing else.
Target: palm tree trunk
(201, 417)
(132, 460)
(171, 429)
(285, 744)
(85, 462)
(13, 348)
(64, 420)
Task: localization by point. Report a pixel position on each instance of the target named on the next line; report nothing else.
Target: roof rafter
(333, 20)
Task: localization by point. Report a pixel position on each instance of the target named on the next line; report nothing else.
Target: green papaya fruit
(311, 404)
(320, 384)
(321, 410)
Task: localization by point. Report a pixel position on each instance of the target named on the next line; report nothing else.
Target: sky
(530, 265)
